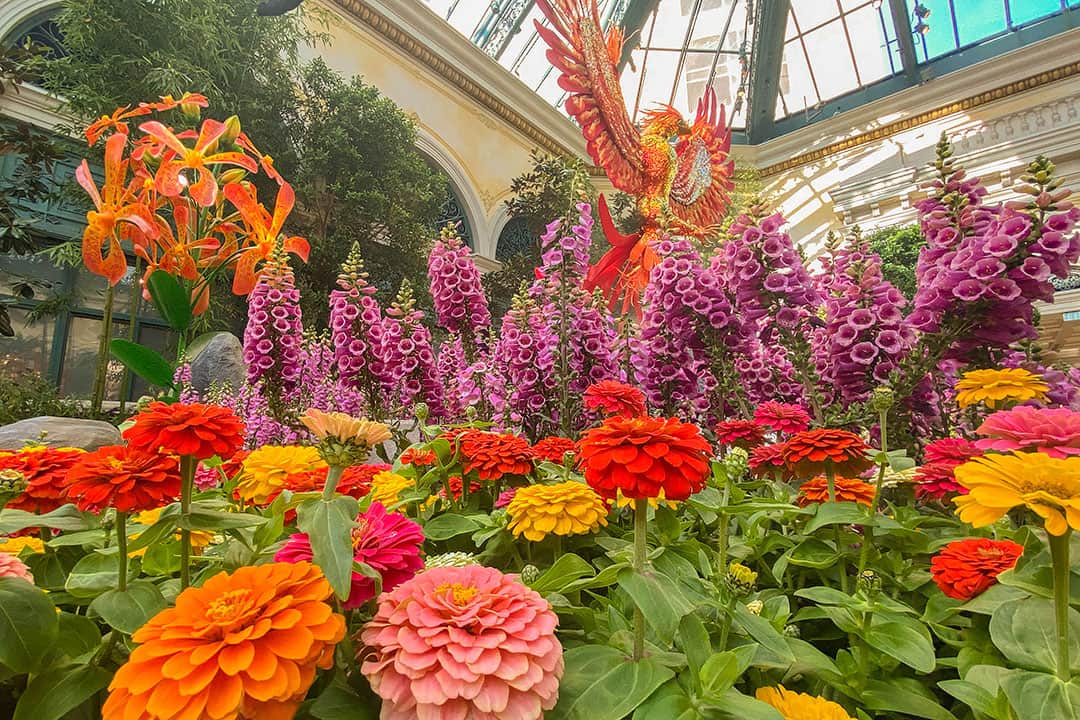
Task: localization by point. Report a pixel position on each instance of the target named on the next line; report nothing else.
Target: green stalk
(722, 541)
(100, 377)
(187, 485)
(641, 520)
(830, 478)
(333, 477)
(121, 546)
(868, 530)
(1059, 553)
(729, 615)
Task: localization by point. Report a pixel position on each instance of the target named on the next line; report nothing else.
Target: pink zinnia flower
(935, 479)
(950, 450)
(505, 497)
(388, 542)
(782, 417)
(615, 398)
(740, 433)
(463, 642)
(1055, 432)
(13, 567)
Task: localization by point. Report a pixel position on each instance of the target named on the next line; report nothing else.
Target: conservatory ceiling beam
(633, 20)
(905, 39)
(767, 58)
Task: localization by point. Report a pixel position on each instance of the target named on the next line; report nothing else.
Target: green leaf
(975, 697)
(78, 635)
(1040, 695)
(719, 673)
(601, 683)
(94, 574)
(56, 692)
(813, 553)
(904, 695)
(170, 298)
(826, 596)
(659, 598)
(66, 518)
(669, 702)
(695, 643)
(329, 524)
(144, 362)
(1025, 632)
(215, 520)
(449, 525)
(164, 528)
(28, 625)
(838, 513)
(605, 578)
(341, 703)
(762, 630)
(733, 704)
(129, 610)
(568, 568)
(909, 643)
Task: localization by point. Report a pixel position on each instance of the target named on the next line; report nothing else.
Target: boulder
(59, 432)
(219, 363)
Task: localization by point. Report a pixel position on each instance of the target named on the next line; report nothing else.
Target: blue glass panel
(1024, 11)
(979, 19)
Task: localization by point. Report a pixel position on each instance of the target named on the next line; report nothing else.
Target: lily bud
(232, 130)
(190, 110)
(232, 175)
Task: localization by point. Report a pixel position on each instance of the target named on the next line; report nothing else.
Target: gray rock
(59, 432)
(220, 364)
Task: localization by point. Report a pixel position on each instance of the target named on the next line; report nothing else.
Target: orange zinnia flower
(418, 457)
(241, 647)
(553, 449)
(262, 230)
(493, 455)
(847, 490)
(966, 568)
(809, 452)
(44, 469)
(114, 205)
(202, 431)
(643, 456)
(204, 188)
(125, 478)
(614, 398)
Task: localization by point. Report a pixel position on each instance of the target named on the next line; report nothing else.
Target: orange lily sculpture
(181, 201)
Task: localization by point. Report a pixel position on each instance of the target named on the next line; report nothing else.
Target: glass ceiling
(830, 48)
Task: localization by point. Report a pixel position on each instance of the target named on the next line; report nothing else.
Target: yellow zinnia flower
(16, 545)
(386, 486)
(264, 470)
(998, 483)
(621, 501)
(993, 387)
(800, 706)
(566, 508)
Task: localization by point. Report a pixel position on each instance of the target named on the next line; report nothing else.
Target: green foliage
(25, 393)
(899, 248)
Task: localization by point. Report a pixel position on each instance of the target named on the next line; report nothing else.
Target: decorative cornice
(414, 48)
(1029, 83)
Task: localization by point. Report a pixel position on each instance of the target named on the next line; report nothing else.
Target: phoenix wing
(588, 62)
(701, 190)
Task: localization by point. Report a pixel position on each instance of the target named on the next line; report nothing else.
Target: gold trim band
(983, 98)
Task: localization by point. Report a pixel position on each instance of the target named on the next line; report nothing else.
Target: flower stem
(830, 478)
(333, 477)
(641, 519)
(729, 616)
(121, 555)
(722, 541)
(868, 530)
(97, 397)
(187, 483)
(1059, 552)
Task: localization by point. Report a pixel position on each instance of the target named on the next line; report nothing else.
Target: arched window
(40, 29)
(514, 239)
(453, 211)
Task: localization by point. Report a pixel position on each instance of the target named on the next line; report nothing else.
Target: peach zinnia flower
(615, 398)
(966, 568)
(388, 542)
(1055, 432)
(13, 567)
(243, 646)
(463, 642)
(1048, 486)
(809, 453)
(847, 490)
(554, 449)
(124, 478)
(344, 428)
(495, 455)
(194, 429)
(996, 387)
(43, 469)
(782, 417)
(642, 456)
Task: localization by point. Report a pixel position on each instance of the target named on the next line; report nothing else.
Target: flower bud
(450, 559)
(530, 574)
(232, 175)
(421, 411)
(792, 631)
(190, 110)
(882, 399)
(740, 580)
(736, 464)
(868, 583)
(755, 607)
(568, 458)
(232, 130)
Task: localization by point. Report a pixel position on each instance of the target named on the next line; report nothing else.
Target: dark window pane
(31, 348)
(90, 291)
(159, 339)
(81, 356)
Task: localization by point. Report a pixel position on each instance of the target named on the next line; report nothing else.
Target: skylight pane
(711, 21)
(813, 13)
(1025, 11)
(940, 38)
(672, 19)
(796, 85)
(870, 45)
(979, 19)
(834, 72)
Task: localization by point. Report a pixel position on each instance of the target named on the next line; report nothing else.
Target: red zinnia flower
(493, 455)
(355, 482)
(194, 429)
(125, 478)
(847, 490)
(765, 459)
(808, 452)
(554, 448)
(951, 449)
(418, 457)
(457, 487)
(740, 433)
(44, 469)
(966, 568)
(935, 479)
(643, 456)
(615, 398)
(782, 417)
